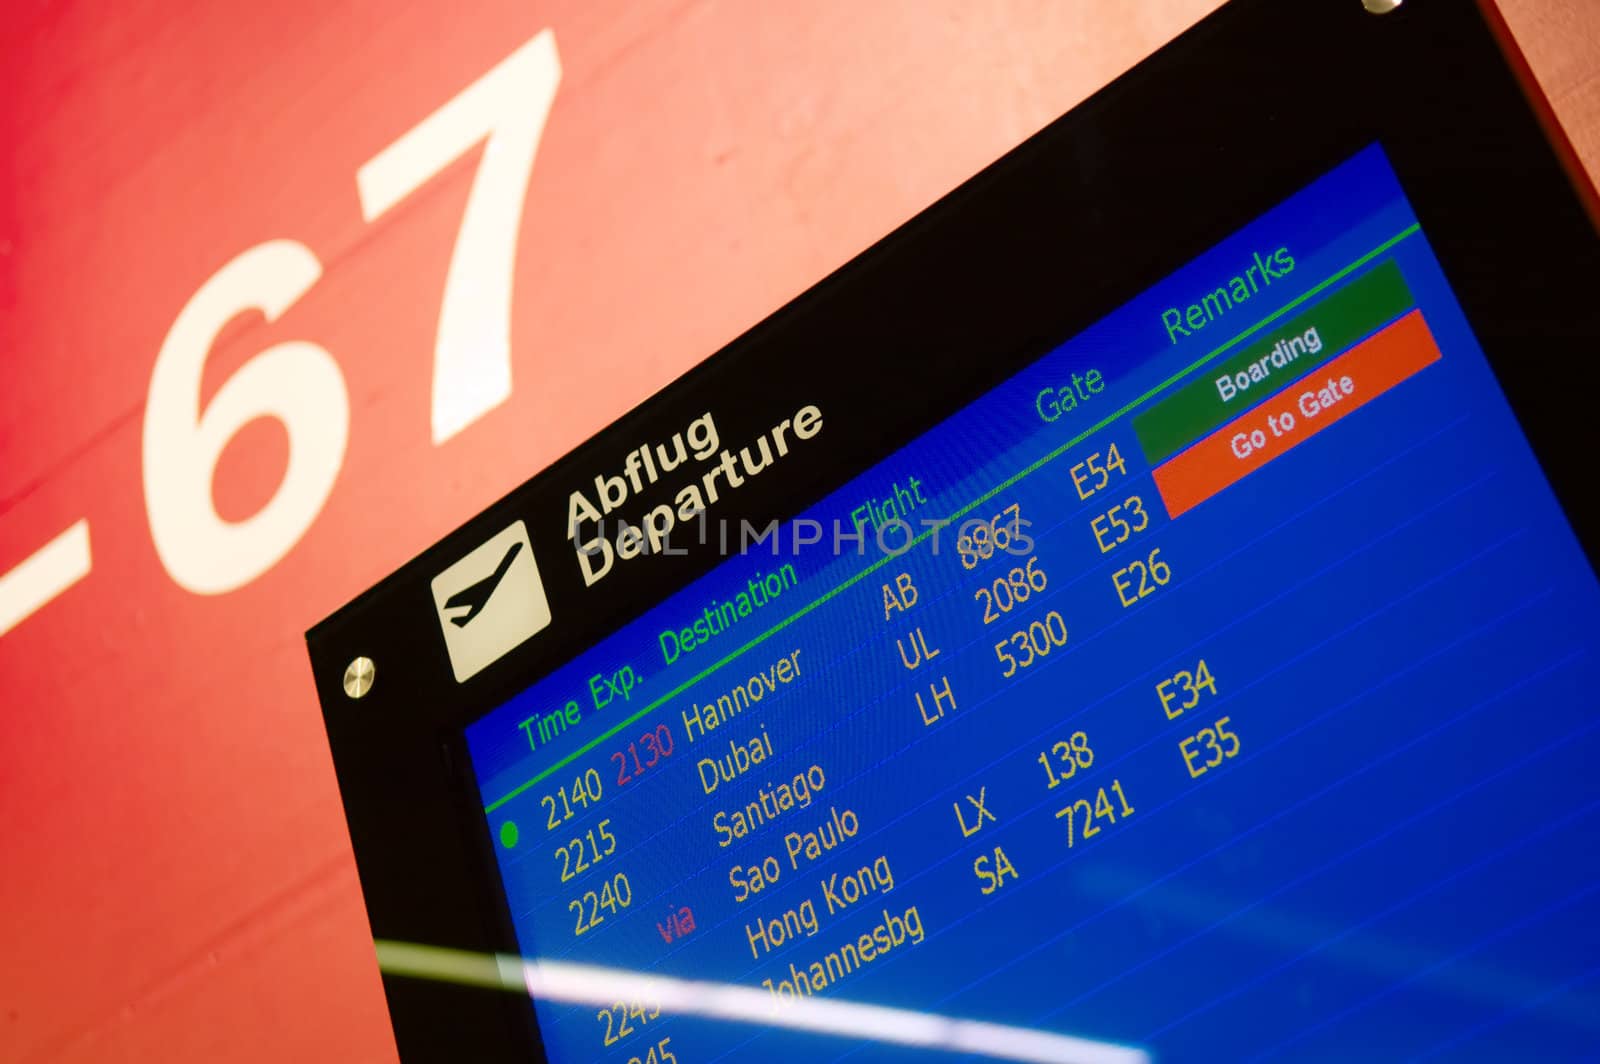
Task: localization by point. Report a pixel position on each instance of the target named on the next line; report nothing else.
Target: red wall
(175, 878)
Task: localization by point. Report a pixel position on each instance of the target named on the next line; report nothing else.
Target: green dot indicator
(508, 834)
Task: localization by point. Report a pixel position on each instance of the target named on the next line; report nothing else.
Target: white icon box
(490, 602)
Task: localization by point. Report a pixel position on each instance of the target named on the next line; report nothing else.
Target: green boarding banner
(1294, 349)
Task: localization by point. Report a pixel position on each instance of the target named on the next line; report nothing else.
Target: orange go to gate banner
(1297, 413)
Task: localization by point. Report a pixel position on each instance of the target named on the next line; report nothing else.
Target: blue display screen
(1243, 709)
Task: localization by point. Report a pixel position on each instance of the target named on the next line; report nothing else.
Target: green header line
(955, 516)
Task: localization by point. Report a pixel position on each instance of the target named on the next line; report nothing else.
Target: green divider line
(1028, 470)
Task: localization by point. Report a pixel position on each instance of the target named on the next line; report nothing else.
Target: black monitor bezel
(1239, 112)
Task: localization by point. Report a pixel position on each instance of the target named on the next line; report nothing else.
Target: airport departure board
(1200, 693)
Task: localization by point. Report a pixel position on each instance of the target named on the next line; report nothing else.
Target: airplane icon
(475, 596)
(484, 617)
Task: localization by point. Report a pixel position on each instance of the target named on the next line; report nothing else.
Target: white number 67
(298, 382)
